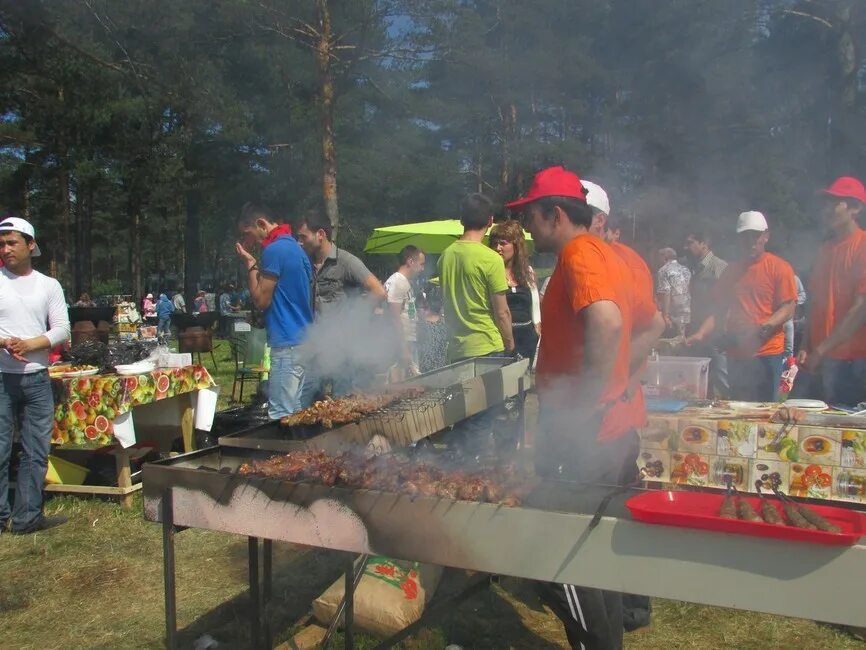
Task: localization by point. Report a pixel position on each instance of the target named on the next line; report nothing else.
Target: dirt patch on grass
(99, 576)
(14, 597)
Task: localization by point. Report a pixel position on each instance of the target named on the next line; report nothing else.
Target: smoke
(350, 340)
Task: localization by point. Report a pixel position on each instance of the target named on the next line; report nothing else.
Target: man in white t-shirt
(401, 302)
(33, 319)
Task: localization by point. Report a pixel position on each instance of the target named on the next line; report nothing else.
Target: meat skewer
(746, 512)
(768, 510)
(817, 520)
(812, 518)
(729, 503)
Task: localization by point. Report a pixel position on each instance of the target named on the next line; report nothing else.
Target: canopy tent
(432, 237)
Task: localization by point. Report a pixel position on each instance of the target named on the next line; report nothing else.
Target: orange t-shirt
(752, 290)
(587, 271)
(644, 307)
(838, 277)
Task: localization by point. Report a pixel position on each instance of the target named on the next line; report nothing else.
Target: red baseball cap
(553, 181)
(847, 187)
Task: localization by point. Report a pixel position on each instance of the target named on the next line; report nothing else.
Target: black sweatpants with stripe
(593, 618)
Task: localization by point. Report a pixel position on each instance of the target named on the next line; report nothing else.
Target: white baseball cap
(752, 220)
(17, 224)
(596, 197)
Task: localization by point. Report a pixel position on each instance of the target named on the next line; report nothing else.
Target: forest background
(132, 132)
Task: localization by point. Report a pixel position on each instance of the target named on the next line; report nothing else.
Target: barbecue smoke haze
(350, 340)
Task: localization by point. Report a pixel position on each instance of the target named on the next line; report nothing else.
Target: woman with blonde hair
(509, 241)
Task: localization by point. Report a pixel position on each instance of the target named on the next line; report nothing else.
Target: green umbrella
(430, 236)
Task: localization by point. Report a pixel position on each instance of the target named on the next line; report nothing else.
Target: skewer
(768, 512)
(812, 518)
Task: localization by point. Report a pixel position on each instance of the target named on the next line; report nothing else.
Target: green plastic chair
(249, 354)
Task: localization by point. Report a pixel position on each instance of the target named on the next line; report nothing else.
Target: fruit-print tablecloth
(86, 407)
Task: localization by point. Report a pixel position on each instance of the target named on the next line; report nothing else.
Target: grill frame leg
(168, 570)
(255, 605)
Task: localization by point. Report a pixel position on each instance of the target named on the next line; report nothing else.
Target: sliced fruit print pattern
(84, 413)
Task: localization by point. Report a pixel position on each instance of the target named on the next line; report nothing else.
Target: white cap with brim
(752, 220)
(17, 224)
(596, 197)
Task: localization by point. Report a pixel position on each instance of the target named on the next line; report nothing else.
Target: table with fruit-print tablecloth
(86, 408)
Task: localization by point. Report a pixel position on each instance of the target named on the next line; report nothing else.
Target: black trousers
(593, 618)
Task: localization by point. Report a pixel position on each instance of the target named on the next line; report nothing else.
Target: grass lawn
(96, 582)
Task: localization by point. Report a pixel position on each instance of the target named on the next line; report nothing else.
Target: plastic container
(701, 510)
(676, 377)
(61, 471)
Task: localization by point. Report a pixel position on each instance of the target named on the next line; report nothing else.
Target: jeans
(717, 385)
(30, 397)
(843, 381)
(163, 327)
(285, 382)
(756, 379)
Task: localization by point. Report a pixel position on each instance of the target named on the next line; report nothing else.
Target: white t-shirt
(399, 291)
(31, 305)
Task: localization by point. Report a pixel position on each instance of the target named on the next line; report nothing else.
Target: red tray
(700, 510)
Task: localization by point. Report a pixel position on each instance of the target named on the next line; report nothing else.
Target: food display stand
(823, 456)
(114, 412)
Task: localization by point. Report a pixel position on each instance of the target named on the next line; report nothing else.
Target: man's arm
(375, 290)
(844, 331)
(643, 341)
(784, 313)
(665, 305)
(261, 285)
(602, 324)
(502, 318)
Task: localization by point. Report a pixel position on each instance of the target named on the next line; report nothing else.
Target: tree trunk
(326, 99)
(192, 246)
(83, 241)
(134, 215)
(65, 239)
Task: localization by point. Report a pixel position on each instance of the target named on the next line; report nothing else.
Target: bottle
(789, 373)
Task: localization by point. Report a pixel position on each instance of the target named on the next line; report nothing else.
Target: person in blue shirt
(164, 310)
(280, 285)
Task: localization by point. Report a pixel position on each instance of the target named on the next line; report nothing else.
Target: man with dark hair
(647, 327)
(836, 321)
(474, 287)
(706, 269)
(586, 429)
(281, 288)
(338, 274)
(401, 302)
(751, 302)
(33, 319)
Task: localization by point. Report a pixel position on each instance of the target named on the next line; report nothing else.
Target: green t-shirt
(470, 273)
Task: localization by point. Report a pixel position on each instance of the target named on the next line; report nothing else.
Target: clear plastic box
(676, 377)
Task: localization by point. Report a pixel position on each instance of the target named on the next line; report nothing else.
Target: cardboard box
(689, 468)
(739, 469)
(853, 449)
(697, 435)
(656, 463)
(849, 484)
(810, 480)
(737, 438)
(819, 445)
(658, 432)
(760, 468)
(771, 447)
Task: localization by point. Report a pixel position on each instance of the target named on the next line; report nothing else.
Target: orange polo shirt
(752, 290)
(838, 277)
(587, 271)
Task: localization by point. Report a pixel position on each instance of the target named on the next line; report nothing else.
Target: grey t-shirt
(340, 276)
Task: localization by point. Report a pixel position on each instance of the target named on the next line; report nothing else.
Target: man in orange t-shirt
(586, 432)
(647, 327)
(836, 345)
(753, 298)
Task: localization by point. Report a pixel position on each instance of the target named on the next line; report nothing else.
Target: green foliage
(171, 115)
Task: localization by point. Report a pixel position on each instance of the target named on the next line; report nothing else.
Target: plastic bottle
(789, 373)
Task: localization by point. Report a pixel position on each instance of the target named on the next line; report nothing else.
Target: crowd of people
(588, 330)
